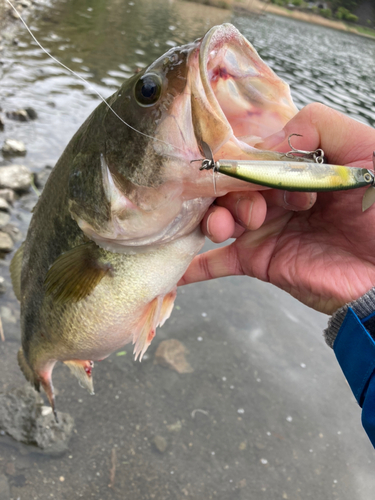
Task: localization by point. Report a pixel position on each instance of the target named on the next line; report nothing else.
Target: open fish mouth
(242, 92)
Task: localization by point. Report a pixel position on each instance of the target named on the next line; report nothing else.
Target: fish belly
(125, 307)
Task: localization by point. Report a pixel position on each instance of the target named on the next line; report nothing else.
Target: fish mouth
(246, 99)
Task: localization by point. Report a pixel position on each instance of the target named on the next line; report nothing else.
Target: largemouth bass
(117, 223)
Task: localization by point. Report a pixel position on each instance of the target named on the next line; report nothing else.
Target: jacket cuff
(363, 307)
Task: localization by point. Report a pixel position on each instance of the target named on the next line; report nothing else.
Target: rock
(1, 122)
(11, 147)
(41, 177)
(8, 195)
(16, 177)
(22, 418)
(4, 219)
(160, 443)
(20, 115)
(4, 205)
(31, 113)
(3, 288)
(6, 243)
(4, 488)
(171, 353)
(25, 3)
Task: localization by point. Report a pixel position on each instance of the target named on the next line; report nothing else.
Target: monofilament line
(86, 82)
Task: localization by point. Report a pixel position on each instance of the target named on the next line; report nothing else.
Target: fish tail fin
(82, 369)
(26, 370)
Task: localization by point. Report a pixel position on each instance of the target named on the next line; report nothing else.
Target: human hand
(324, 256)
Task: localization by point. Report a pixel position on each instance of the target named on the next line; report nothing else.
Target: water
(266, 414)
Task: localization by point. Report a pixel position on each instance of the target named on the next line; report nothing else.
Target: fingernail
(244, 210)
(272, 141)
(208, 225)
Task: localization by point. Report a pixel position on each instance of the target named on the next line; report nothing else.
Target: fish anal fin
(155, 314)
(82, 369)
(15, 271)
(76, 273)
(167, 306)
(146, 329)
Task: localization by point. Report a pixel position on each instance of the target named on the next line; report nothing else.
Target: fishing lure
(300, 175)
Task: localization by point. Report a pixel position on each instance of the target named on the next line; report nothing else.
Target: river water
(278, 420)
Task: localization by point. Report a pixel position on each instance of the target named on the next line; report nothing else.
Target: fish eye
(148, 89)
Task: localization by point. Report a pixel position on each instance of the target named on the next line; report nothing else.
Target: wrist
(364, 308)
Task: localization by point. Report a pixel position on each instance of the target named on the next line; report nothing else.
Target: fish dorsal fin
(15, 271)
(76, 273)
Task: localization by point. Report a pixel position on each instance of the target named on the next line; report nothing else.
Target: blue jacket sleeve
(354, 348)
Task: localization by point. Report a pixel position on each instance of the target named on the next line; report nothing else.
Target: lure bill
(296, 175)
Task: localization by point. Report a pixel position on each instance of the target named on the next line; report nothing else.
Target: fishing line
(88, 83)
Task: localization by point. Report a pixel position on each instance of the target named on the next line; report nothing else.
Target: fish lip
(225, 54)
(214, 41)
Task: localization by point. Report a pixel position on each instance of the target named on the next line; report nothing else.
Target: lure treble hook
(317, 155)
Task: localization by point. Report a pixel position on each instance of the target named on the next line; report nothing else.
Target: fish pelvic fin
(156, 313)
(83, 371)
(15, 271)
(76, 273)
(27, 371)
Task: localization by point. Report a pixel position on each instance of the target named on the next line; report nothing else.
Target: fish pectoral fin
(82, 369)
(15, 271)
(75, 274)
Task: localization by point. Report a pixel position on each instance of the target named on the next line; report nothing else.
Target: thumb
(343, 139)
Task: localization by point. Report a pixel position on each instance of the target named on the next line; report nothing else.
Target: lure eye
(367, 177)
(148, 89)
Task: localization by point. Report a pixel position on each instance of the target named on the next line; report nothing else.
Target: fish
(117, 223)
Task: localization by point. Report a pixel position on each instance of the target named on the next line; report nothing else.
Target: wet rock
(31, 113)
(42, 177)
(4, 488)
(22, 417)
(8, 195)
(20, 115)
(4, 205)
(11, 147)
(1, 120)
(172, 354)
(2, 285)
(160, 443)
(13, 232)
(16, 177)
(6, 243)
(4, 219)
(25, 3)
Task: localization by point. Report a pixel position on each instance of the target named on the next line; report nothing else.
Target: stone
(21, 417)
(25, 3)
(160, 443)
(8, 195)
(16, 177)
(6, 243)
(20, 115)
(11, 147)
(4, 219)
(4, 488)
(172, 354)
(31, 113)
(1, 122)
(3, 287)
(42, 177)
(4, 205)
